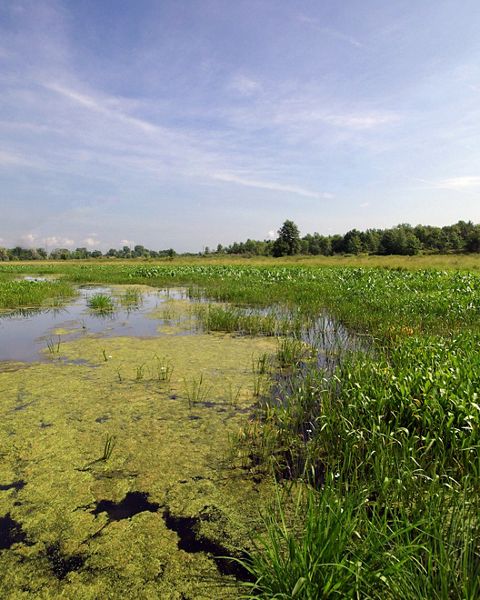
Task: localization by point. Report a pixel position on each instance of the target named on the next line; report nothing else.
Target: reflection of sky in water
(24, 334)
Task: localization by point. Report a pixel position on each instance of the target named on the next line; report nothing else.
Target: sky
(188, 123)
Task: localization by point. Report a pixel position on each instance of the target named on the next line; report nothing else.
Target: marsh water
(26, 333)
(117, 477)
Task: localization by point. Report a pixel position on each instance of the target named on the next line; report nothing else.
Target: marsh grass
(53, 345)
(101, 304)
(131, 299)
(163, 369)
(196, 390)
(108, 447)
(328, 544)
(291, 351)
(234, 393)
(28, 294)
(140, 372)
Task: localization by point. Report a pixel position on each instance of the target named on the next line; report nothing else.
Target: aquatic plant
(234, 393)
(163, 368)
(261, 364)
(53, 346)
(101, 303)
(131, 299)
(290, 351)
(108, 448)
(140, 372)
(196, 390)
(15, 294)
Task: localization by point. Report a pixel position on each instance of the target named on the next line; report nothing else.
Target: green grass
(33, 294)
(101, 303)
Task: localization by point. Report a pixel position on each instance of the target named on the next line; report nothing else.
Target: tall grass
(29, 294)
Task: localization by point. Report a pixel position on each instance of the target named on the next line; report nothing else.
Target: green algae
(174, 450)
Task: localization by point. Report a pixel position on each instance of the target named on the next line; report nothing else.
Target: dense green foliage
(403, 240)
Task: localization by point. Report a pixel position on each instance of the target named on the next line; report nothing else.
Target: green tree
(288, 241)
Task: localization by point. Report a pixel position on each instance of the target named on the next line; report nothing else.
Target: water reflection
(25, 332)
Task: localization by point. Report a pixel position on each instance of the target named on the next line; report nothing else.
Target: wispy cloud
(459, 183)
(270, 185)
(10, 159)
(333, 33)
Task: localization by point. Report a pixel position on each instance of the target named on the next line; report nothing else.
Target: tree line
(403, 239)
(19, 253)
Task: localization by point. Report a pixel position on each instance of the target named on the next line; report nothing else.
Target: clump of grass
(140, 372)
(108, 448)
(53, 346)
(196, 390)
(234, 393)
(261, 364)
(163, 368)
(131, 299)
(101, 303)
(291, 351)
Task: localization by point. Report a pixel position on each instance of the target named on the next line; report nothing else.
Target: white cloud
(272, 234)
(459, 183)
(129, 243)
(361, 121)
(269, 185)
(28, 239)
(364, 204)
(108, 107)
(91, 242)
(54, 241)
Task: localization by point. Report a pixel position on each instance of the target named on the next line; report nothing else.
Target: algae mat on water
(114, 478)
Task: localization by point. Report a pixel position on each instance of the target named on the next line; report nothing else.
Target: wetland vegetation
(317, 427)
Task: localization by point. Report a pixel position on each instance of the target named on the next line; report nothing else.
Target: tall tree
(288, 241)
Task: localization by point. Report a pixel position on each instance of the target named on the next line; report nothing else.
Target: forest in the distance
(403, 239)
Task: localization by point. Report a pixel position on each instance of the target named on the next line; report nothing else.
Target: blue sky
(196, 122)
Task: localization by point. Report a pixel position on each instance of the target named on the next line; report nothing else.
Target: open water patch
(15, 485)
(191, 540)
(31, 335)
(131, 505)
(11, 532)
(62, 564)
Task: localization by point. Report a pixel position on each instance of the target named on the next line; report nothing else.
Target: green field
(345, 465)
